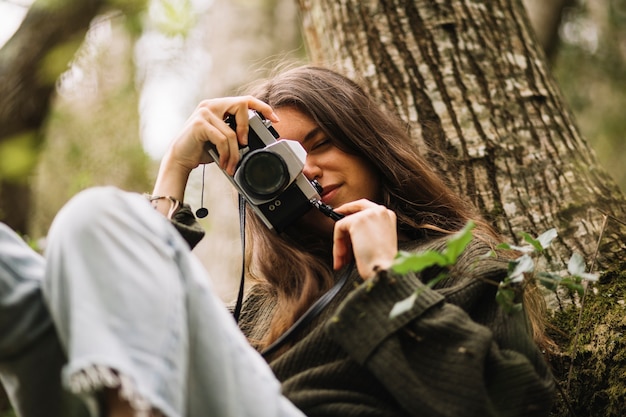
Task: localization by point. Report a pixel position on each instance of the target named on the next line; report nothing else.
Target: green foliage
(173, 17)
(521, 270)
(406, 262)
(18, 155)
(56, 61)
(417, 262)
(51, 6)
(591, 70)
(129, 7)
(133, 11)
(92, 131)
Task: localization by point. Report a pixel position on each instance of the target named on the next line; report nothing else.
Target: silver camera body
(269, 174)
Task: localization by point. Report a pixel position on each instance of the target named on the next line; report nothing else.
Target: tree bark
(474, 87)
(478, 96)
(30, 63)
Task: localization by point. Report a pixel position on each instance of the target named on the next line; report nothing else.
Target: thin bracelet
(174, 203)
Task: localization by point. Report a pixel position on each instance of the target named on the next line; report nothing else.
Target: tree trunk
(30, 63)
(474, 86)
(29, 67)
(475, 89)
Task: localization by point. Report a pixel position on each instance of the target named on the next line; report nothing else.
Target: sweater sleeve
(454, 353)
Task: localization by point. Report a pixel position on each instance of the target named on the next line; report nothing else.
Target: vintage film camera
(269, 174)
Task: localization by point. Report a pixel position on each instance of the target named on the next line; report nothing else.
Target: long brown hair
(296, 265)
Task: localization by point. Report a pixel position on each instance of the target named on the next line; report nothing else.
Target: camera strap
(242, 235)
(309, 315)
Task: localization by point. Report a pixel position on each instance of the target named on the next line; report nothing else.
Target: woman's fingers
(207, 124)
(367, 234)
(264, 108)
(225, 141)
(229, 143)
(342, 247)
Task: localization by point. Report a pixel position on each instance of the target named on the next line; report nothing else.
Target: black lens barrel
(263, 173)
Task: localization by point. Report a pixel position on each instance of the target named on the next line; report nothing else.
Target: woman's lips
(328, 193)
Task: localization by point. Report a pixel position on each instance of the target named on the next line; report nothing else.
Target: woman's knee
(91, 211)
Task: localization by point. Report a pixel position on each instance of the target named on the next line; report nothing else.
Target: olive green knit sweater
(454, 353)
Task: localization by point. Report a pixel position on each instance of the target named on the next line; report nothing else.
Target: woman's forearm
(171, 182)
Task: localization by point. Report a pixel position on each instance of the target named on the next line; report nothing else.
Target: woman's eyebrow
(311, 135)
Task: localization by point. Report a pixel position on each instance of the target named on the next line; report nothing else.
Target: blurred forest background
(144, 65)
(141, 70)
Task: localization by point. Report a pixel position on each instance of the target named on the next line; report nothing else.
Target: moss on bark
(593, 350)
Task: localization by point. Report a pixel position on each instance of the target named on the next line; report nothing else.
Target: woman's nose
(311, 170)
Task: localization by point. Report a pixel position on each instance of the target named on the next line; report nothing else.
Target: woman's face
(344, 177)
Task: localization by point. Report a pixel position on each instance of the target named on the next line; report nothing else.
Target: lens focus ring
(263, 173)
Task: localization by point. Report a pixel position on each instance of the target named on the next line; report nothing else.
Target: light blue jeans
(124, 304)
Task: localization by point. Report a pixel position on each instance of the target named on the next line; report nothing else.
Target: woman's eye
(320, 144)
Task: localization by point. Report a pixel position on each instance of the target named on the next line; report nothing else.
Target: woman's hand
(368, 234)
(206, 124)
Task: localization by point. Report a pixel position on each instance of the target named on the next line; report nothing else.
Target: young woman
(141, 332)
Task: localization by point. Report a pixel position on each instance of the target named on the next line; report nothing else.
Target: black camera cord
(309, 315)
(242, 235)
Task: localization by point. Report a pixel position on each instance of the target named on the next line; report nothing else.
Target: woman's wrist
(169, 211)
(169, 186)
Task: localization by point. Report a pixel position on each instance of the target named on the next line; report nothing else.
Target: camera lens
(263, 173)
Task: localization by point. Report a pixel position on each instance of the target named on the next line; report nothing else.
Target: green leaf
(548, 280)
(573, 284)
(403, 306)
(436, 280)
(523, 249)
(506, 298)
(417, 262)
(534, 242)
(539, 244)
(458, 242)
